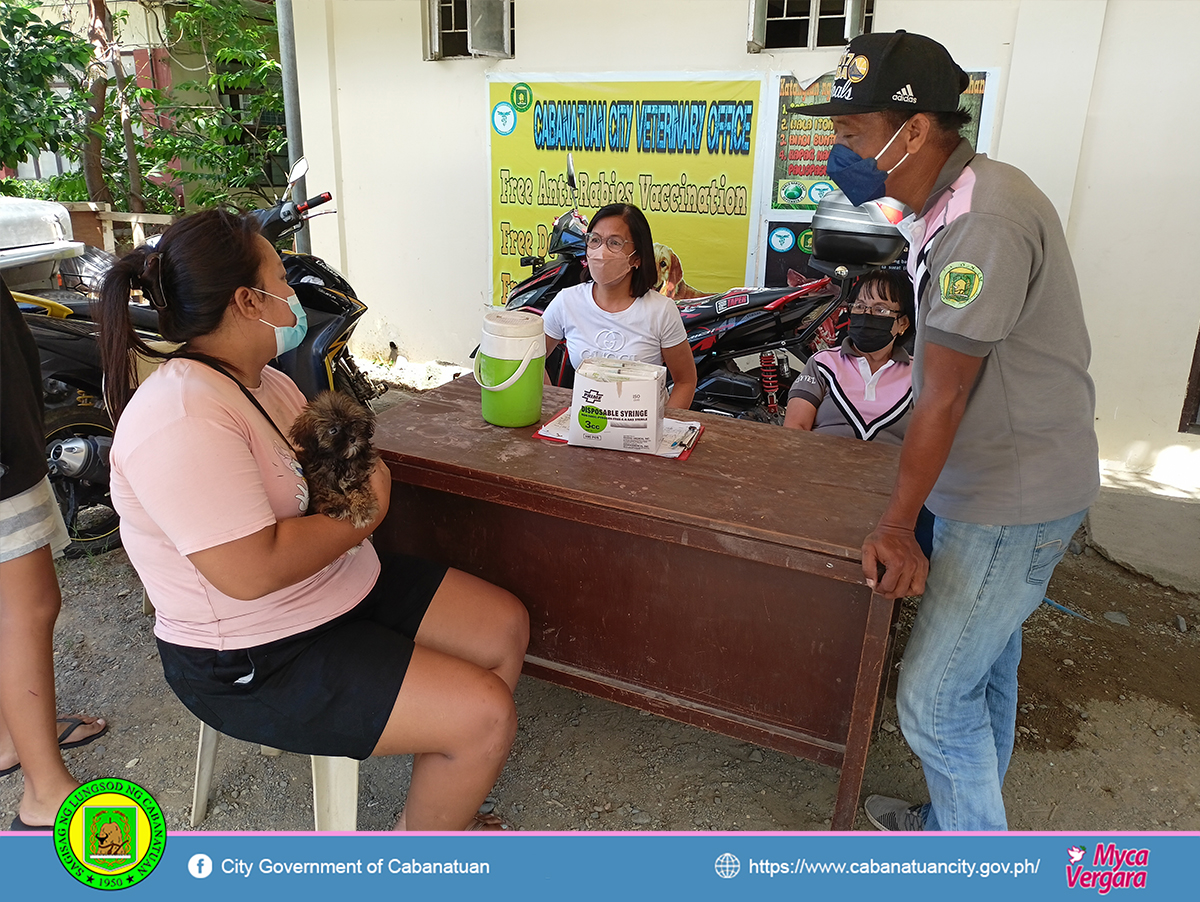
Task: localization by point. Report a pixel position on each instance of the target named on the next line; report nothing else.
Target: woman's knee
(491, 719)
(518, 626)
(29, 588)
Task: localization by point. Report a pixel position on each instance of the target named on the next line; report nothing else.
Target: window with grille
(807, 24)
(458, 29)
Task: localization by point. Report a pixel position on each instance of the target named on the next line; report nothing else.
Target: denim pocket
(1046, 556)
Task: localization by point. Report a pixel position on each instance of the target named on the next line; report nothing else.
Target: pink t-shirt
(195, 465)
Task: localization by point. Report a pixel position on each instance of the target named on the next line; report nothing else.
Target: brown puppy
(332, 436)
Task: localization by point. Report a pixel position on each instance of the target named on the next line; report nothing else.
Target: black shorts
(326, 691)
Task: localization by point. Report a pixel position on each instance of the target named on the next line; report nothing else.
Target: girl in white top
(616, 313)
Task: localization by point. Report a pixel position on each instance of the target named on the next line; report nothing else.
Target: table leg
(880, 616)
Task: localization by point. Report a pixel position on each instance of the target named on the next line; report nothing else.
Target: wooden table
(723, 591)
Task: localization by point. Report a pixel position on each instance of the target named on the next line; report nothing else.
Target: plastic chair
(335, 785)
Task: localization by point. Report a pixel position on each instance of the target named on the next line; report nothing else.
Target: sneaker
(893, 815)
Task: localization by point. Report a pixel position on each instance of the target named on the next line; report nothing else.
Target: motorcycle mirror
(571, 178)
(299, 170)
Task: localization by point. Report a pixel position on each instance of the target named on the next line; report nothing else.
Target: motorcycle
(78, 429)
(724, 330)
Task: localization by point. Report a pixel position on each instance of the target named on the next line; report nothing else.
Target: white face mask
(288, 338)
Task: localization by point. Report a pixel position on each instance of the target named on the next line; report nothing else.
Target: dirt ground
(1108, 732)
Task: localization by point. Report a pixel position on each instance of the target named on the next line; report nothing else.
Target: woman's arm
(551, 344)
(682, 367)
(287, 552)
(800, 414)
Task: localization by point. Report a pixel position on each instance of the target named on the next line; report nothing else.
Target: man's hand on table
(904, 563)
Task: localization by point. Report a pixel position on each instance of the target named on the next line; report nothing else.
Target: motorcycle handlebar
(322, 198)
(286, 216)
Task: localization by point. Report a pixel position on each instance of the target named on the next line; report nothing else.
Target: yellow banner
(681, 151)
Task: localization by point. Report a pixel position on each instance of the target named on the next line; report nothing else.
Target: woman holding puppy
(616, 312)
(274, 627)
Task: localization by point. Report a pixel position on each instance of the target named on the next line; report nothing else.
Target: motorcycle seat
(698, 311)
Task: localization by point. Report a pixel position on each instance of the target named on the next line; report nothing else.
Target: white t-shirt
(640, 332)
(195, 465)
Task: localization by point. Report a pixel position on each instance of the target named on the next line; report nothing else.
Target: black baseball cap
(898, 71)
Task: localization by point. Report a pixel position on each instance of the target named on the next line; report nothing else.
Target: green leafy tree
(34, 55)
(227, 128)
(222, 135)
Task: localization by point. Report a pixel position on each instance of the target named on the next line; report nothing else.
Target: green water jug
(509, 367)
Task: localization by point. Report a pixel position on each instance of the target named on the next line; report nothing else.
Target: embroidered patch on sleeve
(960, 283)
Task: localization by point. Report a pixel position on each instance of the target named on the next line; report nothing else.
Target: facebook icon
(200, 866)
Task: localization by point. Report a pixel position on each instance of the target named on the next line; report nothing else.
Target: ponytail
(117, 339)
(189, 278)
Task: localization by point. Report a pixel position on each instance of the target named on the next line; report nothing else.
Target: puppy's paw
(362, 507)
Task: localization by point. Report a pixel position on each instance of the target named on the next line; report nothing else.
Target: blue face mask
(288, 338)
(860, 179)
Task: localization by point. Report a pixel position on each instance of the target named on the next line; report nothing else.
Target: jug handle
(511, 379)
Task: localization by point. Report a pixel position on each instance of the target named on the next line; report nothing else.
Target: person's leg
(957, 688)
(459, 721)
(29, 605)
(1001, 696)
(475, 621)
(478, 622)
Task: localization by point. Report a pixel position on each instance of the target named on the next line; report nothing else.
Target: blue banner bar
(608, 866)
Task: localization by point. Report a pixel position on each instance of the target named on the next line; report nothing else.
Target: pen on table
(683, 439)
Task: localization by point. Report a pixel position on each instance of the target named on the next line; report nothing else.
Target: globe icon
(727, 865)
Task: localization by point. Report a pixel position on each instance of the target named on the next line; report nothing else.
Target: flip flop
(73, 723)
(488, 822)
(19, 825)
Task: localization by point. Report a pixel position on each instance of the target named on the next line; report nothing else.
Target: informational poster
(802, 143)
(682, 151)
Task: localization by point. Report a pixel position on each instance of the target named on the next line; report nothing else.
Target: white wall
(1134, 233)
(1090, 105)
(404, 147)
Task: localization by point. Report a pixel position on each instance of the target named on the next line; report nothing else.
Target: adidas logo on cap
(905, 95)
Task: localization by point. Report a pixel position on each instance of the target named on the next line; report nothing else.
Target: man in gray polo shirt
(1001, 446)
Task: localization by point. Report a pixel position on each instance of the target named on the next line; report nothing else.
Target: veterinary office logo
(504, 118)
(1110, 868)
(110, 834)
(961, 283)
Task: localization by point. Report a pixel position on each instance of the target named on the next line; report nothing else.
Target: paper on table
(678, 436)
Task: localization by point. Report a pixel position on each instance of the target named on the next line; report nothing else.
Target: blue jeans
(957, 693)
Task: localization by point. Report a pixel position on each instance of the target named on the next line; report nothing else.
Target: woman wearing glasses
(616, 312)
(862, 389)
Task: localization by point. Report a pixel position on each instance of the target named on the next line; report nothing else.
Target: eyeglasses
(612, 242)
(877, 310)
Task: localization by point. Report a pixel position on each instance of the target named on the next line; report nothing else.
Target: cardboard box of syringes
(618, 404)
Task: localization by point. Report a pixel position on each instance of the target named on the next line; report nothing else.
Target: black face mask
(869, 332)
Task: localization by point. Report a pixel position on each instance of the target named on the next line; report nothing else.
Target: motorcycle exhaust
(80, 457)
